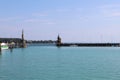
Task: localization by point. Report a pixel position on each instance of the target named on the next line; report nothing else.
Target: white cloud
(39, 14)
(63, 10)
(10, 19)
(110, 6)
(110, 13)
(115, 14)
(69, 9)
(39, 21)
(49, 23)
(110, 10)
(32, 20)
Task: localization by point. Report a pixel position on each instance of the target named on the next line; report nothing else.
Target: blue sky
(74, 20)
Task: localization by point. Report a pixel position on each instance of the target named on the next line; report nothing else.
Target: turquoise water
(65, 63)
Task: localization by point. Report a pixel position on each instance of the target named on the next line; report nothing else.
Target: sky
(73, 20)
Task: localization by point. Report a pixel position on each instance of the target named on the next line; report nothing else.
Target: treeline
(41, 41)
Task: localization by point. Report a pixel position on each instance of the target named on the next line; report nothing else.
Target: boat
(4, 46)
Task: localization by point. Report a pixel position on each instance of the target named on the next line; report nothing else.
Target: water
(66, 63)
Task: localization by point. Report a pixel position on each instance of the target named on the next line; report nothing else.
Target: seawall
(90, 44)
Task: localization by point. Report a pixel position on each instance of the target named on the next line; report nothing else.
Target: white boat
(4, 46)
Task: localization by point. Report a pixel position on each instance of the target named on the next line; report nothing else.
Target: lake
(64, 63)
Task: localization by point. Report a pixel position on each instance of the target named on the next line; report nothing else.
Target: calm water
(66, 63)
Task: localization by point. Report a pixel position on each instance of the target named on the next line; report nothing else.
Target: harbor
(59, 39)
(10, 43)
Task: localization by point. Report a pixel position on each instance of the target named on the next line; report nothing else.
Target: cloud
(32, 20)
(69, 9)
(115, 14)
(39, 21)
(63, 10)
(50, 23)
(10, 19)
(39, 14)
(110, 13)
(110, 6)
(110, 10)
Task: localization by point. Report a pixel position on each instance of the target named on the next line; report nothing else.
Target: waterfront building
(18, 42)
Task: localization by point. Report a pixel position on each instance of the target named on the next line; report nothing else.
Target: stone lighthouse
(58, 41)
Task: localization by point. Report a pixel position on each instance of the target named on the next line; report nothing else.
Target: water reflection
(0, 53)
(4, 51)
(11, 50)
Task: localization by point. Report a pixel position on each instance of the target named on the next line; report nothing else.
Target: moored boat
(4, 46)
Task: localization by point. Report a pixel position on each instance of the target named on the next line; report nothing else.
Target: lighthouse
(58, 41)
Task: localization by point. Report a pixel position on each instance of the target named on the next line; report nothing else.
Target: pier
(89, 45)
(60, 44)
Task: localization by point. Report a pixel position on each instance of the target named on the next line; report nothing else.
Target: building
(19, 42)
